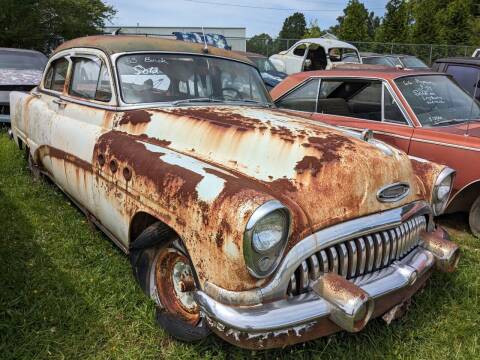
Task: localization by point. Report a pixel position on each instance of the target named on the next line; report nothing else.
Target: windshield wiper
(196, 100)
(251, 101)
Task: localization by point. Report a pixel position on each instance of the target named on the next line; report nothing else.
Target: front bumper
(321, 312)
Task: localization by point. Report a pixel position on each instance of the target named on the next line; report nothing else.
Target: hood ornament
(393, 192)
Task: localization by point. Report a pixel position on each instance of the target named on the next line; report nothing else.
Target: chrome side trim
(446, 145)
(307, 308)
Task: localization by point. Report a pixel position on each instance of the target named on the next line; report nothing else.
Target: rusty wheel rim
(172, 273)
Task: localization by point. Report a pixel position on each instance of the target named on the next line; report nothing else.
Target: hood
(318, 171)
(20, 77)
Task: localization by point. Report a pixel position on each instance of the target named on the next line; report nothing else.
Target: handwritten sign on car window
(425, 90)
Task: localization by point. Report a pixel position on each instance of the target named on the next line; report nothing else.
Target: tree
(456, 22)
(354, 24)
(373, 25)
(42, 24)
(396, 23)
(261, 44)
(313, 30)
(294, 27)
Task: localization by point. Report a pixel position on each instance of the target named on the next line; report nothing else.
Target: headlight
(265, 238)
(441, 191)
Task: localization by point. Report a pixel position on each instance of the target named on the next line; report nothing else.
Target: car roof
(327, 43)
(460, 60)
(21, 50)
(114, 44)
(383, 72)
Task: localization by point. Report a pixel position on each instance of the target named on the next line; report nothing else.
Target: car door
(43, 109)
(85, 114)
(294, 58)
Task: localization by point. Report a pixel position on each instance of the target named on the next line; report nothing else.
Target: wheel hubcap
(175, 285)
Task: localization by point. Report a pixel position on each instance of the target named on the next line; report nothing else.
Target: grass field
(66, 292)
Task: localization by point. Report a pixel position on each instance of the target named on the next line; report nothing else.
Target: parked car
(476, 53)
(315, 54)
(465, 71)
(377, 59)
(235, 215)
(270, 75)
(407, 61)
(19, 70)
(424, 114)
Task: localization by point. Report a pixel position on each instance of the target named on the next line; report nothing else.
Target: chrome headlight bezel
(254, 257)
(439, 205)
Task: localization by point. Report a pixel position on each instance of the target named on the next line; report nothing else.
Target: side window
(392, 112)
(56, 75)
(303, 98)
(300, 50)
(90, 80)
(351, 97)
(466, 76)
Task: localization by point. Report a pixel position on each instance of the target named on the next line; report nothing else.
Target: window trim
(385, 83)
(48, 67)
(127, 106)
(102, 63)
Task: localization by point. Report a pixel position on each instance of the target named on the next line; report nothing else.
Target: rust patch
(224, 230)
(219, 117)
(309, 163)
(62, 155)
(172, 181)
(135, 117)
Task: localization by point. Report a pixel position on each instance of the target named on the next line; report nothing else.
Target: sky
(212, 13)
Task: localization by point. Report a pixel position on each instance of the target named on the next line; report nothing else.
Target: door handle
(61, 104)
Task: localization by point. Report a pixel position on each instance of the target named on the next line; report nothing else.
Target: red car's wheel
(475, 218)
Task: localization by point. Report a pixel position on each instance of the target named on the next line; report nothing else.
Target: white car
(476, 53)
(315, 54)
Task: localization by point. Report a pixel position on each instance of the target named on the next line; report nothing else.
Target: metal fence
(426, 52)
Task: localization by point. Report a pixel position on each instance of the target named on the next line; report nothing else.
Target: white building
(236, 36)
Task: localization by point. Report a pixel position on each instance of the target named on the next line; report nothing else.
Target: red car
(425, 114)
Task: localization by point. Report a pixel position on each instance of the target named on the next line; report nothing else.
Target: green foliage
(456, 23)
(396, 23)
(313, 30)
(260, 44)
(294, 27)
(354, 24)
(43, 24)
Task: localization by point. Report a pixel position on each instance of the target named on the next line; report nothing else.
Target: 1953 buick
(267, 228)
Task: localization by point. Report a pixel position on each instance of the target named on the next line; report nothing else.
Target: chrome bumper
(305, 309)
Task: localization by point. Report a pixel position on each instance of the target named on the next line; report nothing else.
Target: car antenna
(474, 96)
(205, 49)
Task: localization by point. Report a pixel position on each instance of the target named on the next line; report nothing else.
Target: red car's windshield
(437, 100)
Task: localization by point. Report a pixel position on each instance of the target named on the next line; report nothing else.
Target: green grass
(66, 292)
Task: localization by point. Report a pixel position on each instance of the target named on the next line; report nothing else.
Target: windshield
(263, 64)
(378, 60)
(413, 62)
(22, 60)
(437, 100)
(151, 78)
(343, 54)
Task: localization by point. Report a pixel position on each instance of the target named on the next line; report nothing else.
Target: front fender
(207, 206)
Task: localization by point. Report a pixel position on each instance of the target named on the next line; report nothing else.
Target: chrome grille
(359, 256)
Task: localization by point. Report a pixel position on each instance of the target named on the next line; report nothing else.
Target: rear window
(22, 61)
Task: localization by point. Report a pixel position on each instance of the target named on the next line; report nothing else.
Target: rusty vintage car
(423, 113)
(264, 227)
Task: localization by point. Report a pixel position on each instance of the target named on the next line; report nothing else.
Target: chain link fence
(427, 52)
